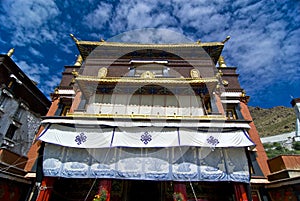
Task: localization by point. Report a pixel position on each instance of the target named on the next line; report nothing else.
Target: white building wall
(297, 110)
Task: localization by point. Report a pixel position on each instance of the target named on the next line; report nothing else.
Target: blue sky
(264, 44)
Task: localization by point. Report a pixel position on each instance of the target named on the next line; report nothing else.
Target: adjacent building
(149, 122)
(21, 106)
(296, 105)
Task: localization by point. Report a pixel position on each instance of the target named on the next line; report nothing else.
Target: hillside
(273, 121)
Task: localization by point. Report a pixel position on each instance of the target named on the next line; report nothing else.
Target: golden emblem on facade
(195, 73)
(225, 82)
(147, 74)
(102, 72)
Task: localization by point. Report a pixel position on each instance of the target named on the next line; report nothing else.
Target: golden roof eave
(146, 80)
(148, 45)
(213, 49)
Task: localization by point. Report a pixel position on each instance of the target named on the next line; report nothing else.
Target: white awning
(154, 123)
(144, 137)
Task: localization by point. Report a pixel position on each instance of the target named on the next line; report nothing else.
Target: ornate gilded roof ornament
(198, 41)
(78, 61)
(219, 74)
(56, 91)
(10, 52)
(102, 40)
(147, 74)
(221, 61)
(102, 72)
(226, 39)
(243, 98)
(243, 93)
(74, 73)
(225, 82)
(195, 73)
(73, 37)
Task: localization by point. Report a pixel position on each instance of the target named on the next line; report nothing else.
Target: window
(18, 114)
(3, 100)
(11, 131)
(230, 111)
(65, 110)
(230, 114)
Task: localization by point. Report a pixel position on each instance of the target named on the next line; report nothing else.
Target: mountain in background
(273, 121)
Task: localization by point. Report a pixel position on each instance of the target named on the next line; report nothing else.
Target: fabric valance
(154, 123)
(143, 137)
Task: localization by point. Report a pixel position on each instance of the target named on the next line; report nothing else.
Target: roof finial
(222, 62)
(78, 61)
(73, 37)
(226, 39)
(10, 52)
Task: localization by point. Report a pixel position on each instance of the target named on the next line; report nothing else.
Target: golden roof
(213, 49)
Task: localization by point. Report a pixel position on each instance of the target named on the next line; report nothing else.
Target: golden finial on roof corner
(243, 93)
(73, 37)
(102, 40)
(198, 41)
(10, 52)
(222, 62)
(226, 39)
(78, 61)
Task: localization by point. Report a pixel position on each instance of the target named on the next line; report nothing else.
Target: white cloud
(34, 71)
(265, 35)
(28, 19)
(50, 84)
(134, 14)
(39, 73)
(35, 52)
(99, 17)
(151, 35)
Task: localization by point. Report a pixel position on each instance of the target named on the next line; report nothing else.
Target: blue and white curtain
(160, 164)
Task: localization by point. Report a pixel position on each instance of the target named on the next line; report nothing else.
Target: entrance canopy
(142, 137)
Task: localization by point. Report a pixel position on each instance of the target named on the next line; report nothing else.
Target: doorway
(144, 190)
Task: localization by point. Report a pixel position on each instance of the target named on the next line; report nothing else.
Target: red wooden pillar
(46, 189)
(240, 192)
(180, 191)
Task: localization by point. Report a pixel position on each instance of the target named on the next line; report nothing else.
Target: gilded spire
(78, 61)
(73, 37)
(226, 39)
(222, 62)
(10, 52)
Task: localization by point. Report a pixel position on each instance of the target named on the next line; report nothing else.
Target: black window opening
(11, 131)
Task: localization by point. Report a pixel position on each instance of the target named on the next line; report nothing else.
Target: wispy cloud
(98, 17)
(35, 52)
(264, 45)
(28, 21)
(38, 73)
(50, 84)
(33, 70)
